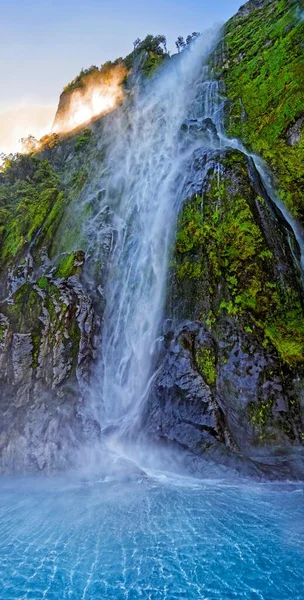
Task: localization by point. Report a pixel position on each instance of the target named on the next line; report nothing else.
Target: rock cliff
(229, 384)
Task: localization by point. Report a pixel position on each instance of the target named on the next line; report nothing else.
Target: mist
(24, 119)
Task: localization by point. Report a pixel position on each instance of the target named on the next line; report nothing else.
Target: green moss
(24, 313)
(189, 270)
(205, 360)
(51, 223)
(79, 178)
(3, 329)
(66, 266)
(147, 55)
(220, 244)
(232, 242)
(152, 62)
(83, 140)
(190, 227)
(286, 331)
(70, 264)
(36, 341)
(264, 76)
(30, 191)
(42, 283)
(260, 413)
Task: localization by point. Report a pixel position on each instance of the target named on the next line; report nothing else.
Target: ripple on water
(152, 539)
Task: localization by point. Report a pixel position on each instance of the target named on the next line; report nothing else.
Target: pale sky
(45, 43)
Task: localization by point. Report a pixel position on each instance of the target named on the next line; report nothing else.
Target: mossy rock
(206, 363)
(34, 202)
(70, 264)
(263, 70)
(224, 255)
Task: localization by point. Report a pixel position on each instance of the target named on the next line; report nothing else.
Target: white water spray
(145, 168)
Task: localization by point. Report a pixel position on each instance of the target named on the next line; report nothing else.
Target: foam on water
(151, 539)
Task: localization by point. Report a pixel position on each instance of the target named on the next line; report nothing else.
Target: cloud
(22, 120)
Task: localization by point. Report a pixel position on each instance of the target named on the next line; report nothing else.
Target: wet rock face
(182, 408)
(295, 132)
(222, 385)
(256, 102)
(49, 333)
(245, 406)
(203, 129)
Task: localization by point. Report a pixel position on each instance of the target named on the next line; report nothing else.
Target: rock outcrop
(231, 372)
(260, 60)
(48, 340)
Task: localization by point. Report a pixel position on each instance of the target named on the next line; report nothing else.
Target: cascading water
(145, 178)
(145, 181)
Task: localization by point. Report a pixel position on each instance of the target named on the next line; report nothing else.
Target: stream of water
(146, 159)
(146, 179)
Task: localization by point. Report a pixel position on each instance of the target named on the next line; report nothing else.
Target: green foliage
(220, 243)
(42, 283)
(260, 413)
(83, 140)
(190, 227)
(79, 178)
(286, 329)
(78, 81)
(152, 62)
(105, 70)
(205, 360)
(25, 312)
(70, 264)
(264, 77)
(26, 308)
(50, 140)
(147, 54)
(29, 198)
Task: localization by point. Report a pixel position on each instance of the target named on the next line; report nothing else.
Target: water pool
(155, 538)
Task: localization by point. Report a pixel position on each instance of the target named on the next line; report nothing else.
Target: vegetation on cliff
(31, 200)
(221, 243)
(233, 265)
(261, 62)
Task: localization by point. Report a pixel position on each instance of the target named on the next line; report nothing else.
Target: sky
(45, 43)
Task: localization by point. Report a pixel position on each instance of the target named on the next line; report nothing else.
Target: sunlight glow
(23, 120)
(97, 96)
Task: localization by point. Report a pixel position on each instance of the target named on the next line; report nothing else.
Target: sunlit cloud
(20, 121)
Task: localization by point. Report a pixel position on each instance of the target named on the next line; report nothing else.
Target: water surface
(153, 538)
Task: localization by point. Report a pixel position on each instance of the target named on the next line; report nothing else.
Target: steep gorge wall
(232, 369)
(260, 60)
(231, 373)
(230, 380)
(50, 317)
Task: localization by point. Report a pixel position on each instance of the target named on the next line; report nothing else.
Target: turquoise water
(153, 538)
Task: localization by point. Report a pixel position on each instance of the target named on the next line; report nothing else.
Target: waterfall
(144, 182)
(144, 178)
